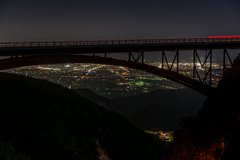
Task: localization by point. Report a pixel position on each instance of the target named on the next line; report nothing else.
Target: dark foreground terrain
(155, 110)
(43, 121)
(214, 134)
(160, 109)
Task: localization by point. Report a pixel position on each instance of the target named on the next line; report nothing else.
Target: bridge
(20, 54)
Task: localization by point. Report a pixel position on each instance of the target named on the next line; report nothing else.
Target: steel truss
(227, 61)
(206, 65)
(137, 57)
(165, 61)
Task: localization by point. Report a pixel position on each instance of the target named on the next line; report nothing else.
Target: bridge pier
(175, 60)
(139, 58)
(226, 59)
(207, 77)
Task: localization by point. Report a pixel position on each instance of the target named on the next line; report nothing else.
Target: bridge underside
(16, 62)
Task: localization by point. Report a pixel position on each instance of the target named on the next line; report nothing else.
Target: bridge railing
(116, 42)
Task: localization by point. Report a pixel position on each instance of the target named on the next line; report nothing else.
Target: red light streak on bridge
(222, 37)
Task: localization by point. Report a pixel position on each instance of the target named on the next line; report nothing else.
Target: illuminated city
(108, 81)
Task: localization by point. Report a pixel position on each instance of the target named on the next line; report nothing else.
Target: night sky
(32, 20)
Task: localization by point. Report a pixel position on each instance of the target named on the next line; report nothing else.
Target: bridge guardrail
(115, 42)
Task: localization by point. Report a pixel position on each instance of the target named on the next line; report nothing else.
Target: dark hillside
(214, 132)
(160, 109)
(43, 121)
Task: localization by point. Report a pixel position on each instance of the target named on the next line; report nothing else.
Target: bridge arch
(16, 62)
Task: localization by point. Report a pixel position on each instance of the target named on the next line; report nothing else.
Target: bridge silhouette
(20, 54)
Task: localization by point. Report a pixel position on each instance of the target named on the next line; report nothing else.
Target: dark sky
(32, 20)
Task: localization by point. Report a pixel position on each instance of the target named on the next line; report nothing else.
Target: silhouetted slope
(161, 117)
(214, 133)
(99, 100)
(43, 121)
(160, 109)
(220, 116)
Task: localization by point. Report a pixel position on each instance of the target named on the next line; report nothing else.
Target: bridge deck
(113, 46)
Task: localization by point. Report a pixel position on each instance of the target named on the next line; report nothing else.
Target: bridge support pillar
(205, 65)
(137, 57)
(227, 61)
(171, 65)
